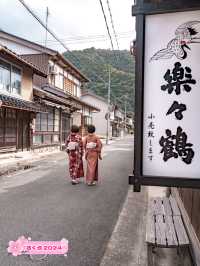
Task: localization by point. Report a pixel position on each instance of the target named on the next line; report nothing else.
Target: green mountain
(94, 64)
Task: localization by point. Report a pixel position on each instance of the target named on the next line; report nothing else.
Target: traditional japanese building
(60, 92)
(17, 109)
(117, 121)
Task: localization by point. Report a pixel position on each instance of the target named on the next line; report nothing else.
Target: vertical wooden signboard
(167, 129)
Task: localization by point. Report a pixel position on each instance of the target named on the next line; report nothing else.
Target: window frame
(10, 91)
(21, 74)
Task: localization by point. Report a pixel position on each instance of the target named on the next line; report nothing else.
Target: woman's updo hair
(74, 129)
(91, 129)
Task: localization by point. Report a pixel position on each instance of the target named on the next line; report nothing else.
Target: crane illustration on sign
(186, 34)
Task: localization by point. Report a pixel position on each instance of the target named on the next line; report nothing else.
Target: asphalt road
(41, 203)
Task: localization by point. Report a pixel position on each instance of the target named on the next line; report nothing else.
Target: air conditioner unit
(53, 70)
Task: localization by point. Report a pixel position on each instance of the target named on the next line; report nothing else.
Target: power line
(54, 35)
(108, 30)
(112, 23)
(52, 43)
(86, 40)
(59, 41)
(47, 16)
(91, 37)
(109, 90)
(62, 43)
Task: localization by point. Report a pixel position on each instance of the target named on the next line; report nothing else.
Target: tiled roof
(70, 97)
(54, 98)
(9, 101)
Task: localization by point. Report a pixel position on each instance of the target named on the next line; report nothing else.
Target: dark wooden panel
(191, 201)
(139, 72)
(187, 200)
(41, 61)
(164, 6)
(196, 211)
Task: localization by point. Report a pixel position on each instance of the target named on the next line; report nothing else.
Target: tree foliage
(95, 62)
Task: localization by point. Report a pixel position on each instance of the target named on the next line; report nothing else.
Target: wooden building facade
(17, 108)
(59, 92)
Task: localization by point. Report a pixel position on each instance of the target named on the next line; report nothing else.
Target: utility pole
(47, 16)
(108, 112)
(125, 115)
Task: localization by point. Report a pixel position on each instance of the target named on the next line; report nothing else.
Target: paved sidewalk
(127, 245)
(22, 160)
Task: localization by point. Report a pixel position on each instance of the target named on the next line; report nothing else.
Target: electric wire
(52, 43)
(61, 42)
(91, 37)
(112, 23)
(105, 18)
(55, 36)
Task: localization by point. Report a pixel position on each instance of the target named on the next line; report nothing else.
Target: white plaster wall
(78, 91)
(76, 119)
(98, 118)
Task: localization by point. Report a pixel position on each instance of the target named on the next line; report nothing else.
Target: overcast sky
(79, 23)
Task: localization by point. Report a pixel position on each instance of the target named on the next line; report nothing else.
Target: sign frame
(140, 10)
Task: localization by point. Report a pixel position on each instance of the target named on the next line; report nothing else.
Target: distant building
(98, 119)
(117, 121)
(130, 124)
(116, 125)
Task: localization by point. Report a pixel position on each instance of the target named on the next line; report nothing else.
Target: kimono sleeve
(67, 141)
(99, 145)
(81, 145)
(84, 143)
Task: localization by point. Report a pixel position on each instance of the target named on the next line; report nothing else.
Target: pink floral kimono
(74, 147)
(92, 146)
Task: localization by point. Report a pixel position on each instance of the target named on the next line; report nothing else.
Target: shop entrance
(23, 131)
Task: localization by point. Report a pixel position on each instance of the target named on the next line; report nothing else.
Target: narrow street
(42, 204)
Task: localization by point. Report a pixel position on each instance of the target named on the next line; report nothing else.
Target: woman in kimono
(92, 146)
(74, 148)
